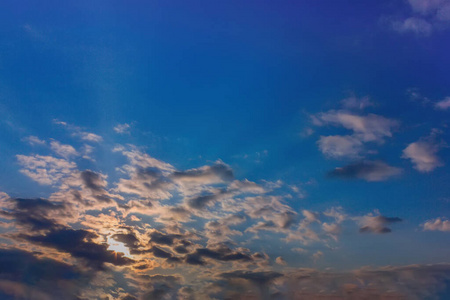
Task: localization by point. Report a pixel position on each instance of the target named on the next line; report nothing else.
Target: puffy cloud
(437, 224)
(46, 170)
(423, 154)
(367, 170)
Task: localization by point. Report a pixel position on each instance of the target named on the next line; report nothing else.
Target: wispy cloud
(122, 128)
(79, 132)
(443, 104)
(425, 17)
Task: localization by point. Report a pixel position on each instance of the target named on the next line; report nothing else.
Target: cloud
(376, 223)
(438, 224)
(365, 129)
(122, 128)
(34, 141)
(216, 173)
(80, 244)
(423, 154)
(279, 260)
(426, 16)
(34, 214)
(426, 6)
(65, 151)
(46, 170)
(443, 104)
(414, 25)
(337, 146)
(367, 170)
(79, 132)
(25, 275)
(196, 226)
(369, 128)
(357, 103)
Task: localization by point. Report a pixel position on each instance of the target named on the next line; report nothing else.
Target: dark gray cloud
(37, 214)
(80, 244)
(220, 253)
(209, 174)
(25, 273)
(367, 170)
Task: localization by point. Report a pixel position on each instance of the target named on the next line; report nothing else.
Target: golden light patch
(118, 247)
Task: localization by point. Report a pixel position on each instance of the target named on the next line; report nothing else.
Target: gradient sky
(225, 149)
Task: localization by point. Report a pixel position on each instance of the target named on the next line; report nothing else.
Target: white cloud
(46, 170)
(65, 151)
(122, 128)
(89, 136)
(437, 224)
(443, 104)
(34, 140)
(366, 128)
(337, 146)
(423, 155)
(79, 132)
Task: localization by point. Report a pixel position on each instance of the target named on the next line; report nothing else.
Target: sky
(224, 149)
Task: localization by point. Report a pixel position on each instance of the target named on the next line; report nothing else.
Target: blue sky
(245, 144)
